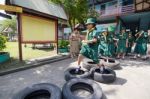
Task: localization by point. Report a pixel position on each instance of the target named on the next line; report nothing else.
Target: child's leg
(80, 58)
(123, 54)
(71, 54)
(118, 56)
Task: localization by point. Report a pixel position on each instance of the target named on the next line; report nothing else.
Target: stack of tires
(82, 85)
(79, 86)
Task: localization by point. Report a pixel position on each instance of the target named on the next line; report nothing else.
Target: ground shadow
(12, 63)
(119, 81)
(118, 68)
(104, 96)
(108, 92)
(134, 63)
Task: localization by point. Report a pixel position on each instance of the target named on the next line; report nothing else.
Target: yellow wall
(37, 29)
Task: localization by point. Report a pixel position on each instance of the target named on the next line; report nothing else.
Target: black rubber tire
(70, 74)
(44, 89)
(111, 63)
(86, 84)
(108, 76)
(88, 64)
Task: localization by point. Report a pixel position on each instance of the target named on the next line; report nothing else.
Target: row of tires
(107, 76)
(73, 89)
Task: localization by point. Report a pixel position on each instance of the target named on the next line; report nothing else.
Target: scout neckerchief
(89, 31)
(140, 33)
(105, 36)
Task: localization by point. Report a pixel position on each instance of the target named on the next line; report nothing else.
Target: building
(9, 33)
(131, 14)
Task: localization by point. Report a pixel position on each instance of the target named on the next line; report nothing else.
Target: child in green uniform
(141, 43)
(111, 45)
(89, 47)
(130, 42)
(106, 46)
(122, 44)
(103, 46)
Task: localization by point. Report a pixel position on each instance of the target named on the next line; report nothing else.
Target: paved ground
(133, 80)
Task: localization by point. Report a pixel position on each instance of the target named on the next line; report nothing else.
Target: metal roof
(41, 6)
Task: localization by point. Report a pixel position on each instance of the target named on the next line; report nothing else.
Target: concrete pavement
(133, 80)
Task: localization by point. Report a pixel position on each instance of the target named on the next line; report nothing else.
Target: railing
(116, 11)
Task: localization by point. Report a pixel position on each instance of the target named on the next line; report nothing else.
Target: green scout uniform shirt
(103, 46)
(141, 44)
(122, 43)
(111, 46)
(130, 43)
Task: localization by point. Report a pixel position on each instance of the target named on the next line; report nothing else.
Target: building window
(103, 7)
(127, 2)
(97, 8)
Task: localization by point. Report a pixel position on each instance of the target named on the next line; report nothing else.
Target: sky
(1, 2)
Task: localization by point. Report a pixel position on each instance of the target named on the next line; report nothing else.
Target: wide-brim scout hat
(90, 21)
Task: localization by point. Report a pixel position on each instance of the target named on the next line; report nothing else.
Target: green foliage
(63, 43)
(93, 13)
(77, 10)
(2, 42)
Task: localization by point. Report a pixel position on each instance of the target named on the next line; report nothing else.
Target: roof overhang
(5, 16)
(40, 8)
(105, 20)
(134, 18)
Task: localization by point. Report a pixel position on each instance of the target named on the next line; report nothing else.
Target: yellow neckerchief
(88, 31)
(104, 35)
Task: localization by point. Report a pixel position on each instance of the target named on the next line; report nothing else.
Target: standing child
(141, 44)
(130, 42)
(103, 45)
(122, 44)
(111, 44)
(75, 42)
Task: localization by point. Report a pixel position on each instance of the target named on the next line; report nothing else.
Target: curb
(37, 64)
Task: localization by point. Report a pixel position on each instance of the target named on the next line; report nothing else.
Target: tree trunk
(70, 23)
(74, 22)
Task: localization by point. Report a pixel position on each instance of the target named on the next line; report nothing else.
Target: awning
(42, 6)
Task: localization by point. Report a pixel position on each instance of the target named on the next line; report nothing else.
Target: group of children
(109, 44)
(122, 43)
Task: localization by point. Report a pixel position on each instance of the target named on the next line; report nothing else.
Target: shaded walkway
(132, 82)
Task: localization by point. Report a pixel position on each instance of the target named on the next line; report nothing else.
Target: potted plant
(4, 56)
(63, 46)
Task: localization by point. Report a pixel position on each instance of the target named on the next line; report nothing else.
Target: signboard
(11, 8)
(38, 30)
